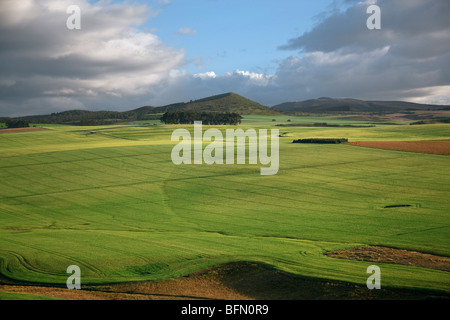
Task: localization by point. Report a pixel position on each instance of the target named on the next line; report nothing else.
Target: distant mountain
(326, 105)
(228, 102)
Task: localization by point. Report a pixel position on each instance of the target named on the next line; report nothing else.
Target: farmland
(110, 200)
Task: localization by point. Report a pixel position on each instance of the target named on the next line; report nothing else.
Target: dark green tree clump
(17, 123)
(322, 140)
(89, 118)
(207, 118)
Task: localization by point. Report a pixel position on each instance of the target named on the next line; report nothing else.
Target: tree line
(16, 123)
(95, 118)
(207, 118)
(322, 140)
(83, 117)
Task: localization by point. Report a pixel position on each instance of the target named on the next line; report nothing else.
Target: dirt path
(433, 147)
(15, 130)
(391, 255)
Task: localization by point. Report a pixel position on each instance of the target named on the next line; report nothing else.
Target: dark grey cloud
(402, 21)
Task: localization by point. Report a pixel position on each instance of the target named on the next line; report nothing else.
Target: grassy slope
(114, 204)
(228, 102)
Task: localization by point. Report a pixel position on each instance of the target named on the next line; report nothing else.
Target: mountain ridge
(325, 104)
(232, 103)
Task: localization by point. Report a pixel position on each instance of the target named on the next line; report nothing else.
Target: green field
(110, 200)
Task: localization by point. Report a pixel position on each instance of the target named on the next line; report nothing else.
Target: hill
(224, 103)
(326, 105)
(228, 102)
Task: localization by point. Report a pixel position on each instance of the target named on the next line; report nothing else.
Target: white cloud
(254, 78)
(205, 75)
(15, 12)
(430, 95)
(185, 31)
(108, 57)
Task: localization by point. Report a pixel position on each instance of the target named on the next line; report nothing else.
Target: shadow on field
(233, 281)
(262, 282)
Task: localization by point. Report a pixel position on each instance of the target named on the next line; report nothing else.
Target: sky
(129, 54)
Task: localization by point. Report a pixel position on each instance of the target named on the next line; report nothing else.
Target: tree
(207, 118)
(12, 123)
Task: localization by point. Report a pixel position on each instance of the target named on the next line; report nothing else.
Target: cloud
(112, 64)
(205, 75)
(402, 21)
(253, 78)
(108, 58)
(341, 57)
(185, 31)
